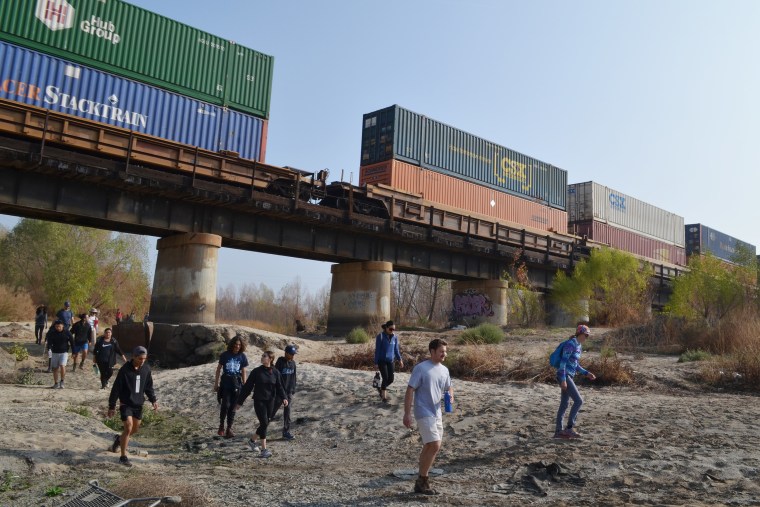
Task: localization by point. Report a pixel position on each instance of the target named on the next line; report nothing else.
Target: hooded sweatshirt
(132, 386)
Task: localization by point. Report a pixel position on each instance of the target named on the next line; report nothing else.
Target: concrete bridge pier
(360, 295)
(184, 286)
(479, 301)
(559, 317)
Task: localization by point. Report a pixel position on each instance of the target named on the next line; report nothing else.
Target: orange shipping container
(470, 197)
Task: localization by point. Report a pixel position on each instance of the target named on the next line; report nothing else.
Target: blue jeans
(570, 392)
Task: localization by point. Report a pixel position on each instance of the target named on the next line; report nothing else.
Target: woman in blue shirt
(386, 351)
(230, 377)
(568, 365)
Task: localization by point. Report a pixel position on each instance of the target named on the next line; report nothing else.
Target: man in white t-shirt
(429, 380)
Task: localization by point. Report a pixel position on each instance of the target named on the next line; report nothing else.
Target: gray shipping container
(701, 239)
(592, 201)
(397, 133)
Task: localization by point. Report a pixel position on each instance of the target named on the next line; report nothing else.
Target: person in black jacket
(266, 384)
(133, 383)
(104, 356)
(83, 336)
(287, 368)
(58, 341)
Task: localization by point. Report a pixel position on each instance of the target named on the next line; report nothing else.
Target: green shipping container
(121, 38)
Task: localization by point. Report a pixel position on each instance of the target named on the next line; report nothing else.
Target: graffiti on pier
(471, 303)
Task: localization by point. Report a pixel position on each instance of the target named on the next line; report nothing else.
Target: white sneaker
(254, 445)
(265, 453)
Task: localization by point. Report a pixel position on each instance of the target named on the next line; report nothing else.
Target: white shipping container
(592, 201)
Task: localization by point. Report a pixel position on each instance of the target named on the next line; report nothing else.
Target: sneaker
(265, 453)
(220, 431)
(287, 435)
(116, 443)
(572, 433)
(254, 445)
(229, 433)
(564, 435)
(57, 385)
(125, 461)
(60, 386)
(74, 368)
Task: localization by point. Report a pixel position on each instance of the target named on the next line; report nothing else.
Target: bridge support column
(360, 295)
(479, 301)
(184, 286)
(558, 317)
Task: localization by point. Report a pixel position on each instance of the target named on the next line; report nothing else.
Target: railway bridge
(54, 167)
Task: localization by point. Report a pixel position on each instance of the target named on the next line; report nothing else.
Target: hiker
(266, 384)
(386, 351)
(133, 383)
(568, 366)
(119, 316)
(104, 356)
(287, 368)
(83, 336)
(58, 341)
(65, 315)
(429, 380)
(40, 323)
(231, 367)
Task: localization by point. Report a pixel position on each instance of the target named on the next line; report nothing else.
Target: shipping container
(629, 241)
(37, 79)
(701, 239)
(469, 198)
(592, 201)
(117, 37)
(397, 133)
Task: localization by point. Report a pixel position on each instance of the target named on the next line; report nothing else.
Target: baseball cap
(139, 351)
(291, 349)
(93, 310)
(583, 329)
(67, 304)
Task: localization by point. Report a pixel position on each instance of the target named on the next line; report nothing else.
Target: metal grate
(93, 496)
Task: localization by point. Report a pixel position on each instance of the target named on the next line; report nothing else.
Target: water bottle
(95, 369)
(447, 402)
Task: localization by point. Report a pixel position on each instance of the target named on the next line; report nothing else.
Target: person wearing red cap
(571, 354)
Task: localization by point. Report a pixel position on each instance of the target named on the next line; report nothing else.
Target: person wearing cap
(93, 319)
(229, 378)
(568, 367)
(65, 315)
(133, 384)
(58, 341)
(82, 332)
(386, 351)
(287, 368)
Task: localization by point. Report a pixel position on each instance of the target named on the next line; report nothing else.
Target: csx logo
(617, 202)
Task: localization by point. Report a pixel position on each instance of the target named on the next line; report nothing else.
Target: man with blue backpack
(565, 359)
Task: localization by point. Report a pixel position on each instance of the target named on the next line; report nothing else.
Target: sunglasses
(391, 329)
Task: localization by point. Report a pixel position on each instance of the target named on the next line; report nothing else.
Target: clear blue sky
(657, 99)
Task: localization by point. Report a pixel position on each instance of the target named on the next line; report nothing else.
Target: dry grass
(478, 362)
(264, 326)
(610, 371)
(15, 306)
(151, 485)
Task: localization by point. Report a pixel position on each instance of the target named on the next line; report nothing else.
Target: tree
(711, 289)
(612, 282)
(56, 262)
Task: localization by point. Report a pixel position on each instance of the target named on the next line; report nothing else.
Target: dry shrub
(360, 359)
(476, 363)
(738, 370)
(152, 485)
(532, 369)
(664, 335)
(263, 326)
(610, 371)
(15, 306)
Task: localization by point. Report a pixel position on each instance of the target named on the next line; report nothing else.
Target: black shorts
(127, 411)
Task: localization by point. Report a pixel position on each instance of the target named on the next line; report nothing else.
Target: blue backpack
(556, 358)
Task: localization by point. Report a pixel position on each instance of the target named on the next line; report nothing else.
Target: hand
(400, 363)
(237, 407)
(563, 385)
(451, 395)
(216, 388)
(155, 406)
(110, 412)
(284, 403)
(590, 376)
(408, 420)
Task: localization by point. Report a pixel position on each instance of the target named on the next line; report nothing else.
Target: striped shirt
(568, 364)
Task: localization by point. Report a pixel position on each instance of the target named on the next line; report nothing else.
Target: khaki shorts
(431, 429)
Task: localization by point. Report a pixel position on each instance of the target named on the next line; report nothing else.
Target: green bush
(19, 352)
(694, 355)
(357, 335)
(607, 352)
(83, 411)
(483, 334)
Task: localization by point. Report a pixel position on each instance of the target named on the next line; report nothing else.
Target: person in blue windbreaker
(568, 366)
(386, 352)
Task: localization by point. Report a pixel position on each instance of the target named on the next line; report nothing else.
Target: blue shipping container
(397, 133)
(701, 239)
(41, 80)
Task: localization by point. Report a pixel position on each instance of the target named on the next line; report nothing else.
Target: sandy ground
(666, 441)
